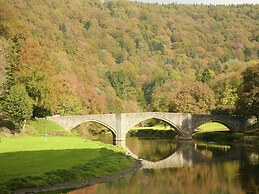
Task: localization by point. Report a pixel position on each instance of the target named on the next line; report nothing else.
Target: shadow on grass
(45, 168)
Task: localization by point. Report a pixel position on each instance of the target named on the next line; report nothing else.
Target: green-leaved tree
(248, 94)
(17, 105)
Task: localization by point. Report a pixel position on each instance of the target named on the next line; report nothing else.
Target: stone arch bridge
(120, 124)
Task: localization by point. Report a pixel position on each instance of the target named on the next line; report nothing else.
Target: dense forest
(91, 56)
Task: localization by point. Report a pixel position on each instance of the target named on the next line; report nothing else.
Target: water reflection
(187, 167)
(174, 154)
(254, 158)
(197, 180)
(151, 149)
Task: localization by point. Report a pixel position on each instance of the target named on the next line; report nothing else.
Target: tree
(38, 87)
(188, 97)
(206, 75)
(8, 20)
(3, 62)
(87, 43)
(248, 93)
(33, 69)
(63, 27)
(17, 105)
(69, 104)
(122, 83)
(225, 87)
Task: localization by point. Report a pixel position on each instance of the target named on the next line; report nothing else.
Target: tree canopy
(18, 105)
(188, 97)
(248, 102)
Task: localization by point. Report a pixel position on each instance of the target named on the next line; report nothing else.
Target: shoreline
(86, 182)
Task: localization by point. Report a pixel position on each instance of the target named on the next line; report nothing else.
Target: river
(189, 167)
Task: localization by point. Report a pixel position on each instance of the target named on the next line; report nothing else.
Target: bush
(218, 136)
(152, 133)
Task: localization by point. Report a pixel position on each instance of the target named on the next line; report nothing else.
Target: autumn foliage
(87, 57)
(188, 97)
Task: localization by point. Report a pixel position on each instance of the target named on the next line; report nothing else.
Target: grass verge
(33, 162)
(40, 126)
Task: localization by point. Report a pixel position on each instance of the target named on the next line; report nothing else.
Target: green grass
(155, 127)
(44, 124)
(156, 131)
(40, 126)
(162, 131)
(22, 164)
(213, 126)
(216, 132)
(29, 143)
(31, 161)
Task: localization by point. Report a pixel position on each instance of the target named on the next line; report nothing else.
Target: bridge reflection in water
(188, 153)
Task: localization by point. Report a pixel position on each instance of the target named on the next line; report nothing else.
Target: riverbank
(152, 133)
(39, 162)
(219, 136)
(251, 136)
(64, 187)
(211, 132)
(248, 137)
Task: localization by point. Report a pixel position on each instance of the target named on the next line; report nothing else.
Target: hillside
(85, 56)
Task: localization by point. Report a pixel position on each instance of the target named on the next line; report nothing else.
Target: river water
(188, 167)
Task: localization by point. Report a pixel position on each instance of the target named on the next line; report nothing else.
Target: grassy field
(213, 126)
(215, 132)
(33, 161)
(29, 143)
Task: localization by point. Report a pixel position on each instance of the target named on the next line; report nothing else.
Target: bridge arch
(228, 125)
(225, 123)
(114, 133)
(137, 121)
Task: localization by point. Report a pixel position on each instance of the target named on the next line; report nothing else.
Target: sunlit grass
(215, 132)
(37, 161)
(155, 127)
(29, 143)
(213, 126)
(40, 126)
